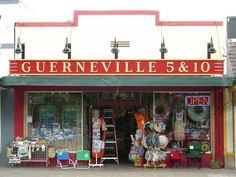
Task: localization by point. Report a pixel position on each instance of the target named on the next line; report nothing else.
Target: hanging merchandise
(155, 139)
(23, 150)
(162, 141)
(158, 127)
(148, 127)
(205, 147)
(179, 125)
(155, 142)
(148, 140)
(99, 137)
(198, 113)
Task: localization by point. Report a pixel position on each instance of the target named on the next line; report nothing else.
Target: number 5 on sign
(170, 67)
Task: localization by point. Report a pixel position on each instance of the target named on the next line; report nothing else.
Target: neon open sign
(197, 100)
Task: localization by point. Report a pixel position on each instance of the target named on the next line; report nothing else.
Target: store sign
(197, 100)
(116, 67)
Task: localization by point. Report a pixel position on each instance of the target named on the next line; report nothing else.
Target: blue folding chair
(63, 159)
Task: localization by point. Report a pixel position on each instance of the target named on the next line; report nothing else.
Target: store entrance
(170, 123)
(124, 107)
(126, 125)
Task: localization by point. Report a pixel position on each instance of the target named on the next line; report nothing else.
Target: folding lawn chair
(63, 159)
(82, 160)
(194, 153)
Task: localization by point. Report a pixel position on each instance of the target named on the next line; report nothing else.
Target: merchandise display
(98, 137)
(59, 137)
(27, 151)
(56, 118)
(136, 151)
(174, 125)
(155, 143)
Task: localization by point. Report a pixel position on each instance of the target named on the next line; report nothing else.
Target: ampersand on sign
(183, 67)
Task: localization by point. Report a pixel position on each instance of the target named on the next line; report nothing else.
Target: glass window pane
(56, 118)
(186, 116)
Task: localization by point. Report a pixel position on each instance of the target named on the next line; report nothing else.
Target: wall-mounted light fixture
(67, 49)
(20, 48)
(163, 49)
(210, 49)
(115, 49)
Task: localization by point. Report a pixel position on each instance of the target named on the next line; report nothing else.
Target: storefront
(173, 102)
(68, 108)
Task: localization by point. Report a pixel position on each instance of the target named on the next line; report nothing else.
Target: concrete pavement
(114, 171)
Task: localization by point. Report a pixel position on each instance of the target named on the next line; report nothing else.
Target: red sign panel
(116, 67)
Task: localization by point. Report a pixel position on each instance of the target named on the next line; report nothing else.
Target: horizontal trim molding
(118, 12)
(145, 81)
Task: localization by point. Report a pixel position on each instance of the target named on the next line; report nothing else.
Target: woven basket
(51, 152)
(215, 164)
(138, 162)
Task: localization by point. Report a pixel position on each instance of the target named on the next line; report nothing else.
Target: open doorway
(124, 106)
(126, 125)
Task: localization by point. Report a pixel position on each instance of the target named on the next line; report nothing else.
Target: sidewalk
(114, 171)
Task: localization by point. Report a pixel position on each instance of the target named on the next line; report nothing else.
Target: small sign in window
(197, 100)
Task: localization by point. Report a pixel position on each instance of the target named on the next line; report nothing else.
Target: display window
(56, 118)
(185, 117)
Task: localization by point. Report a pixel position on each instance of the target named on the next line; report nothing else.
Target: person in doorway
(140, 120)
(130, 127)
